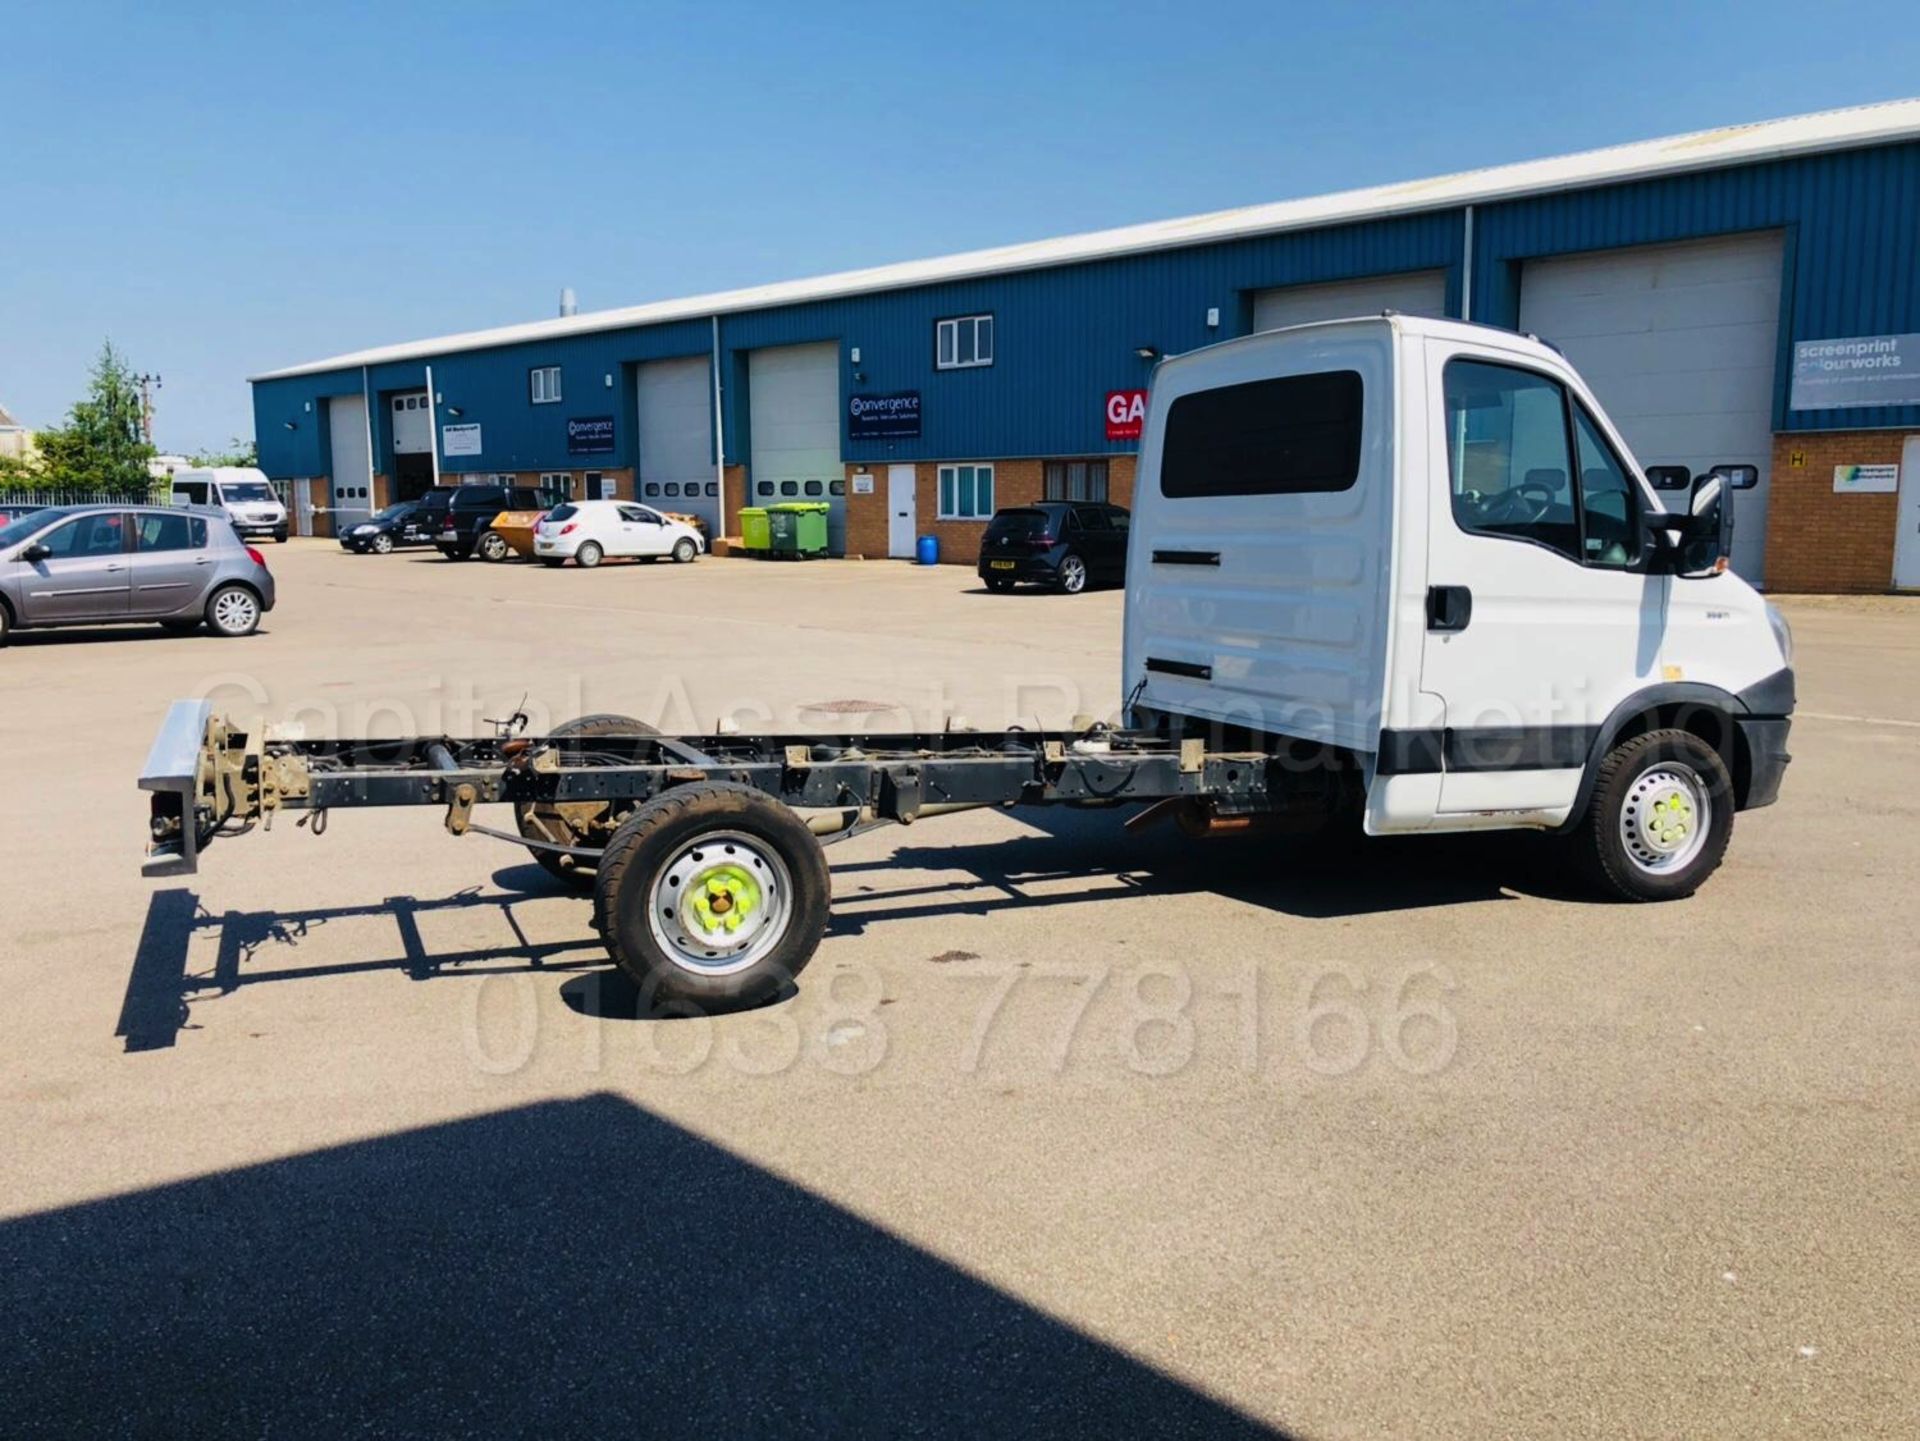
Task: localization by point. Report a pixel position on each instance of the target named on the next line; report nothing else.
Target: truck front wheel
(713, 895)
(1659, 819)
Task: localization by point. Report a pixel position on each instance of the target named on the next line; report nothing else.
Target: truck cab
(243, 492)
(1418, 551)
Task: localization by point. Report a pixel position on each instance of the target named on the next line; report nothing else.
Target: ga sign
(1126, 413)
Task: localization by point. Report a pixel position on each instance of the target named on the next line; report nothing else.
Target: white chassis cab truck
(1386, 574)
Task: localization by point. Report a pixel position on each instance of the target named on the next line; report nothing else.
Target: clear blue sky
(275, 184)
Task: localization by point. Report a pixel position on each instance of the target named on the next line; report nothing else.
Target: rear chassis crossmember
(205, 777)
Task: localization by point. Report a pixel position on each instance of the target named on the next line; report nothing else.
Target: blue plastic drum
(927, 552)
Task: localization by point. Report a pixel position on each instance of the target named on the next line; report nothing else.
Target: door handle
(204, 560)
(113, 569)
(1449, 607)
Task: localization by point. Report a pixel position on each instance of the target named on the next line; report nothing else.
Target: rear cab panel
(1261, 597)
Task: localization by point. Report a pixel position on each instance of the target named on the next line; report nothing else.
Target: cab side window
(1609, 519)
(1509, 461)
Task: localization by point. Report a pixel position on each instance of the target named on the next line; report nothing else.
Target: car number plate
(1001, 564)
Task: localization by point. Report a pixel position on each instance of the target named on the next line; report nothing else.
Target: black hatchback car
(411, 522)
(1068, 545)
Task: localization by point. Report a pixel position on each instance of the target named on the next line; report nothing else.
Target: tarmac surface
(1065, 1131)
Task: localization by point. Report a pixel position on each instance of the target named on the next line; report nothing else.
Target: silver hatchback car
(182, 566)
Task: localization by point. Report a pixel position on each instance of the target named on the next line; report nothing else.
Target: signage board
(1854, 371)
(884, 417)
(1866, 479)
(460, 439)
(862, 483)
(1126, 414)
(590, 435)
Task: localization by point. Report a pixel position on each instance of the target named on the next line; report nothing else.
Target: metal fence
(157, 494)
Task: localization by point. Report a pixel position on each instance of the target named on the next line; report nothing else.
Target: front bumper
(1764, 743)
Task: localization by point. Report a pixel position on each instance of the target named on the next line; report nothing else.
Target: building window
(673, 489)
(816, 488)
(557, 483)
(713, 490)
(543, 383)
(966, 492)
(964, 341)
(1076, 480)
(836, 487)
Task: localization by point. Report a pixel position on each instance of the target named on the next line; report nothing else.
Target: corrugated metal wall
(1064, 337)
(1853, 248)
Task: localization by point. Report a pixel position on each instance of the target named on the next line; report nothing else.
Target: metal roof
(1894, 120)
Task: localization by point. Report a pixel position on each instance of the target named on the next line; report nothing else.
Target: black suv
(469, 522)
(1068, 545)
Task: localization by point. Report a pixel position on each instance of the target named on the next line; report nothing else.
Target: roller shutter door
(1679, 343)
(1418, 292)
(675, 415)
(794, 412)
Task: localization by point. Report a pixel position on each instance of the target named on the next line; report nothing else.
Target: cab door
(1540, 614)
(84, 576)
(642, 532)
(171, 565)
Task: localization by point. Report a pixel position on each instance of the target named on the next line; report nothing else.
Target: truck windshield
(247, 490)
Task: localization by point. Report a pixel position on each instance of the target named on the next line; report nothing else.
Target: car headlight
(363, 530)
(1782, 632)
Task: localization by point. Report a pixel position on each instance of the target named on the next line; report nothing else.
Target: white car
(589, 531)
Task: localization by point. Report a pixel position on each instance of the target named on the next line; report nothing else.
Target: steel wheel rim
(1073, 572)
(382, 543)
(720, 904)
(683, 551)
(588, 556)
(235, 610)
(1665, 818)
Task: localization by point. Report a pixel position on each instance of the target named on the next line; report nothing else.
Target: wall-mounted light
(308, 407)
(438, 398)
(1213, 317)
(1147, 352)
(853, 356)
(609, 380)
(454, 411)
(291, 424)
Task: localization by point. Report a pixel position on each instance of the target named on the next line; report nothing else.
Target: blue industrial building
(1746, 295)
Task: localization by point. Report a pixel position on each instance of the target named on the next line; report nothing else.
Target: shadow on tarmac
(578, 1267)
(1306, 878)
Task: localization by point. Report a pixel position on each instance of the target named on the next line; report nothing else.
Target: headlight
(1782, 632)
(363, 530)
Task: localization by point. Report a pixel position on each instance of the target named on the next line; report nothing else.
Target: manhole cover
(850, 707)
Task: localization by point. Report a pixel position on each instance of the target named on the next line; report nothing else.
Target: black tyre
(382, 544)
(684, 551)
(1072, 575)
(589, 554)
(1659, 819)
(180, 627)
(6, 624)
(999, 584)
(713, 895)
(451, 552)
(233, 610)
(576, 823)
(280, 536)
(552, 562)
(493, 547)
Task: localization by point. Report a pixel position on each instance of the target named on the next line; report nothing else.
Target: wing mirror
(35, 553)
(1669, 477)
(1703, 533)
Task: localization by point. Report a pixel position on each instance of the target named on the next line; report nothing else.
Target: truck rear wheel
(1659, 819)
(572, 823)
(712, 894)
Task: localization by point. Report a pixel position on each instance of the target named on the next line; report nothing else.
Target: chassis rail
(206, 777)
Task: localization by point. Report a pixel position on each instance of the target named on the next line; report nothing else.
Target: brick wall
(1822, 542)
(1015, 482)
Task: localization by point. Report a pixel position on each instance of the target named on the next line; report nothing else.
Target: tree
(101, 446)
(238, 452)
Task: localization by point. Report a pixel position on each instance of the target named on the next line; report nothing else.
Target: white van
(1421, 544)
(243, 492)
